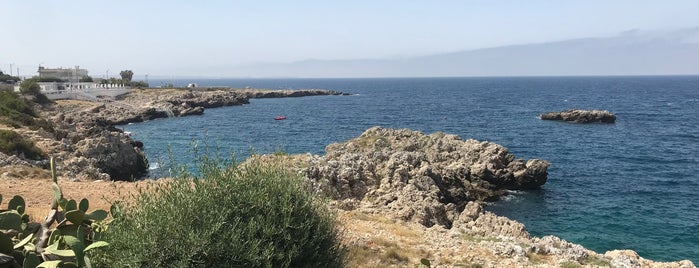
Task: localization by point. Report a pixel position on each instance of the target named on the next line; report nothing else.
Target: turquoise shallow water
(633, 184)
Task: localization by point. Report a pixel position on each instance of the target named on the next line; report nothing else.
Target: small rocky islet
(436, 184)
(581, 116)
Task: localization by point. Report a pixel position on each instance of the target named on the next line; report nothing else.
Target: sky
(192, 38)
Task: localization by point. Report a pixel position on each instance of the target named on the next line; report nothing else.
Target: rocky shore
(143, 105)
(401, 195)
(87, 145)
(581, 116)
(426, 194)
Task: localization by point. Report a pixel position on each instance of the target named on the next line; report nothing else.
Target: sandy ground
(37, 193)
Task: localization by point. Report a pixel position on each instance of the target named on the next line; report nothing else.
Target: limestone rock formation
(581, 116)
(260, 94)
(424, 178)
(142, 105)
(12, 160)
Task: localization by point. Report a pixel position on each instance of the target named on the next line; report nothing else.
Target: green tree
(4, 78)
(30, 87)
(126, 75)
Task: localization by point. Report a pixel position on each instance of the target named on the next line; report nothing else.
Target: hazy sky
(184, 37)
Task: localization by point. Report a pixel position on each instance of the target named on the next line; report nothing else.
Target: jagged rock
(424, 178)
(581, 116)
(198, 110)
(114, 154)
(551, 245)
(631, 259)
(12, 160)
(474, 221)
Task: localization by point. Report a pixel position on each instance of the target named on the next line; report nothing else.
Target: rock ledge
(581, 116)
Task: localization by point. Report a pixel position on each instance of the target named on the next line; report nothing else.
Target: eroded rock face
(581, 116)
(417, 177)
(113, 153)
(631, 259)
(475, 221)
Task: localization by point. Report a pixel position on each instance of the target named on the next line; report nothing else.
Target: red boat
(281, 117)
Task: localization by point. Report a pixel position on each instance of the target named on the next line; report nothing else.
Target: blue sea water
(629, 185)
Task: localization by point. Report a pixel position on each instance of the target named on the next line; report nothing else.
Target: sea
(629, 185)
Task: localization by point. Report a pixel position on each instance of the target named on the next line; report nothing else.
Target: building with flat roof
(65, 74)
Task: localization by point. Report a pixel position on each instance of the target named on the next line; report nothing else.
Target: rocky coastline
(148, 104)
(438, 184)
(414, 192)
(87, 145)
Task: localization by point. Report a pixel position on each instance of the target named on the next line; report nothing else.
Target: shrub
(10, 102)
(17, 112)
(13, 144)
(251, 216)
(30, 87)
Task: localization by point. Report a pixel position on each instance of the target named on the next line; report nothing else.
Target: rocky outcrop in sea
(581, 116)
(416, 177)
(440, 183)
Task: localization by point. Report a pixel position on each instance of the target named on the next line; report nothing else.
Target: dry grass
(382, 242)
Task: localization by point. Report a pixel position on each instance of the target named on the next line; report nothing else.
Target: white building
(65, 74)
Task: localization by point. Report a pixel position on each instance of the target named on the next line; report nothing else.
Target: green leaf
(23, 242)
(53, 249)
(0, 198)
(71, 205)
(5, 244)
(96, 244)
(10, 220)
(57, 264)
(115, 210)
(84, 204)
(29, 247)
(31, 260)
(75, 216)
(70, 229)
(97, 215)
(55, 236)
(49, 264)
(17, 203)
(88, 264)
(77, 244)
(57, 196)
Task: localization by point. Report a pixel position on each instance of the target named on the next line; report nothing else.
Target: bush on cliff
(252, 216)
(16, 112)
(12, 143)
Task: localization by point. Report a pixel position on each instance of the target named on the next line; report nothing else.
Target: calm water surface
(633, 184)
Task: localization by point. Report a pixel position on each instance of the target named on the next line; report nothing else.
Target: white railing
(53, 86)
